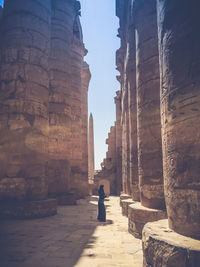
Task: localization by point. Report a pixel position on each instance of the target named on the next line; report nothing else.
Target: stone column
(179, 42)
(60, 114)
(122, 11)
(91, 149)
(79, 182)
(66, 96)
(148, 120)
(85, 77)
(24, 112)
(180, 99)
(148, 97)
(118, 143)
(121, 7)
(132, 104)
(125, 136)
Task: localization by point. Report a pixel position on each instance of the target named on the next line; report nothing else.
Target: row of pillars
(138, 63)
(159, 68)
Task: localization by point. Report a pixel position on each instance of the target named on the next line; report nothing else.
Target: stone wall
(108, 166)
(43, 100)
(111, 170)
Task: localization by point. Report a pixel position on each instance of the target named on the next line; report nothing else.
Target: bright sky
(99, 30)
(100, 26)
(1, 2)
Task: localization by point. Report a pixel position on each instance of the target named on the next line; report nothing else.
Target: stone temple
(153, 157)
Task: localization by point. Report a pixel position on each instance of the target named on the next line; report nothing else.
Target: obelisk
(91, 149)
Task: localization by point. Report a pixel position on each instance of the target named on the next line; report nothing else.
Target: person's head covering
(101, 188)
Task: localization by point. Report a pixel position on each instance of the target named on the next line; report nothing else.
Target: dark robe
(101, 207)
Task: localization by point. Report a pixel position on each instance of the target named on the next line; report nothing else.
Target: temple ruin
(153, 157)
(111, 171)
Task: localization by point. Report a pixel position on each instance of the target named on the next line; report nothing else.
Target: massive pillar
(60, 117)
(91, 149)
(148, 119)
(79, 181)
(180, 99)
(24, 112)
(148, 97)
(125, 143)
(118, 144)
(179, 42)
(123, 64)
(130, 66)
(85, 76)
(67, 93)
(121, 11)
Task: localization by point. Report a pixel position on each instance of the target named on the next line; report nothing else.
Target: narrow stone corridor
(71, 238)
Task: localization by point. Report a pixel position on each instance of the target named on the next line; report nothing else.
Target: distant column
(85, 76)
(118, 142)
(91, 148)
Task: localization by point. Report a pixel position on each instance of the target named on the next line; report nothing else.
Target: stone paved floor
(71, 238)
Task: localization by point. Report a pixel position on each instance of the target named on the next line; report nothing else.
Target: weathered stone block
(58, 176)
(123, 197)
(67, 199)
(125, 204)
(139, 215)
(162, 247)
(28, 209)
(13, 188)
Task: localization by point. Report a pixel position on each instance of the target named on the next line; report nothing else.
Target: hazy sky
(100, 26)
(99, 30)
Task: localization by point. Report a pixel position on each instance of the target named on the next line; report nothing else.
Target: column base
(135, 192)
(139, 215)
(122, 197)
(162, 247)
(64, 199)
(125, 205)
(28, 209)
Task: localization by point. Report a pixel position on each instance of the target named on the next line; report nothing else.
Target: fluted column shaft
(179, 42)
(24, 97)
(148, 105)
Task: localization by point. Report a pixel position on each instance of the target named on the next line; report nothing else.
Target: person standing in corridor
(101, 207)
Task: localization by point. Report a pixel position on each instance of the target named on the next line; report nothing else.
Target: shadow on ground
(56, 241)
